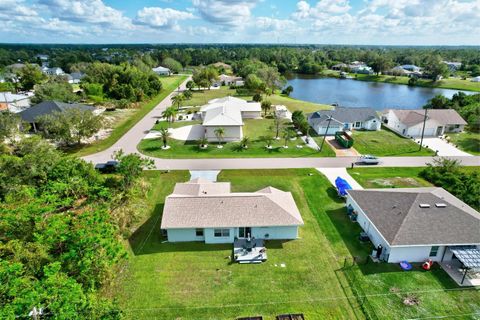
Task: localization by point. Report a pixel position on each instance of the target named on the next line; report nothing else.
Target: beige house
(201, 210)
(228, 113)
(409, 123)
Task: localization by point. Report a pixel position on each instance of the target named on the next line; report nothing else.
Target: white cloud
(227, 13)
(156, 17)
(271, 24)
(87, 11)
(322, 9)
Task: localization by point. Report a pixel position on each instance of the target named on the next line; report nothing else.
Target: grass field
(202, 97)
(196, 281)
(255, 129)
(450, 83)
(466, 141)
(169, 84)
(386, 143)
(389, 177)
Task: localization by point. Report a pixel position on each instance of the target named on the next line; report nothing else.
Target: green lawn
(389, 177)
(169, 84)
(202, 97)
(466, 141)
(196, 281)
(386, 143)
(255, 129)
(450, 83)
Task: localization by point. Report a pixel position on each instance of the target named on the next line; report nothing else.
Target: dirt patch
(411, 300)
(397, 181)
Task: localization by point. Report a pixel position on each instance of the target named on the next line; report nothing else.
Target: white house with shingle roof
(201, 210)
(409, 123)
(415, 224)
(228, 113)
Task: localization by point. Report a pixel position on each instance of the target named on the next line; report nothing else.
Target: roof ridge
(407, 215)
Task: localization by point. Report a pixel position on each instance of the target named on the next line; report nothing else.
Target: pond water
(354, 93)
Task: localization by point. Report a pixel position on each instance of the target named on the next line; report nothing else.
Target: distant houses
(354, 67)
(226, 80)
(409, 123)
(344, 119)
(54, 71)
(162, 71)
(453, 66)
(408, 70)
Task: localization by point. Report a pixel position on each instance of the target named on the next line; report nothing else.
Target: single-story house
(282, 112)
(162, 71)
(14, 102)
(344, 119)
(75, 77)
(201, 210)
(416, 224)
(476, 79)
(409, 123)
(55, 71)
(362, 69)
(31, 114)
(226, 80)
(228, 113)
(410, 67)
(453, 66)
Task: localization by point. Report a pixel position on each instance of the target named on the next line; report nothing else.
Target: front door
(244, 232)
(439, 131)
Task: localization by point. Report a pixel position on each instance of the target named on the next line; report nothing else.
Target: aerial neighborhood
(178, 173)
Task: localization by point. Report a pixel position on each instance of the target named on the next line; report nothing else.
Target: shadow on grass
(469, 144)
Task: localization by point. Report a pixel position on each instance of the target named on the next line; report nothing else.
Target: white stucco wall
(232, 133)
(182, 235)
(414, 254)
(412, 131)
(331, 130)
(374, 124)
(278, 233)
(210, 238)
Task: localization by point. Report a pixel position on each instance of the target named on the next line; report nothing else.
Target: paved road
(128, 143)
(130, 140)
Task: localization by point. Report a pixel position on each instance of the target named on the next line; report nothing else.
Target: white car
(369, 159)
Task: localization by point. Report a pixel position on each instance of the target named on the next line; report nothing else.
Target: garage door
(429, 132)
(414, 132)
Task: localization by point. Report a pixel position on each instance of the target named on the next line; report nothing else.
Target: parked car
(107, 167)
(369, 159)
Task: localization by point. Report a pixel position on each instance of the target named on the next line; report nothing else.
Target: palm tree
(170, 114)
(244, 142)
(268, 140)
(278, 125)
(219, 133)
(266, 106)
(164, 134)
(287, 134)
(178, 99)
(187, 95)
(203, 142)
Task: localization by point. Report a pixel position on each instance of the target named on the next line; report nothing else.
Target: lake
(355, 93)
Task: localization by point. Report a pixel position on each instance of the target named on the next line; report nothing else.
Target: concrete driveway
(444, 148)
(333, 173)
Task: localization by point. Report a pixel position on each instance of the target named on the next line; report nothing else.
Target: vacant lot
(389, 177)
(466, 141)
(202, 97)
(126, 123)
(386, 143)
(255, 129)
(196, 281)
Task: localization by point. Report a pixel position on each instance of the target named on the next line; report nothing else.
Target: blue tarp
(342, 186)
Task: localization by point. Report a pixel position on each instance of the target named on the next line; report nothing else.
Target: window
(457, 126)
(358, 124)
(199, 232)
(434, 251)
(220, 233)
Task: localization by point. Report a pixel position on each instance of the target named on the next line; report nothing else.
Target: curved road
(129, 141)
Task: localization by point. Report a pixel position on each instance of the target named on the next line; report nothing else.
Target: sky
(355, 22)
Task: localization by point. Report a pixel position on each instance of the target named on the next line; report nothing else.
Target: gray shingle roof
(442, 116)
(48, 107)
(343, 115)
(190, 207)
(397, 215)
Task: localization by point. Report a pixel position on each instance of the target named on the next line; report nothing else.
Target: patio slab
(455, 272)
(252, 251)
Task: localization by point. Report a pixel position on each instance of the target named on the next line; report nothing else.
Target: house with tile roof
(344, 119)
(409, 123)
(417, 224)
(228, 113)
(201, 210)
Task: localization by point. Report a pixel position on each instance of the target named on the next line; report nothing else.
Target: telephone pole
(325, 135)
(423, 129)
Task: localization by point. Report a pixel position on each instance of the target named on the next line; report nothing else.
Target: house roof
(160, 69)
(442, 116)
(227, 111)
(342, 115)
(397, 215)
(220, 208)
(48, 107)
(12, 97)
(224, 77)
